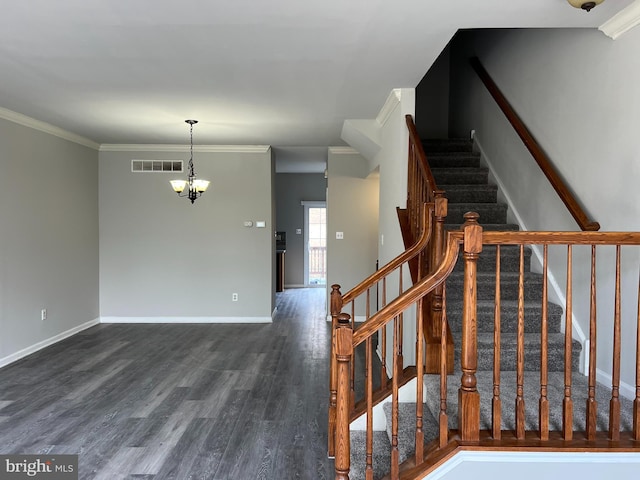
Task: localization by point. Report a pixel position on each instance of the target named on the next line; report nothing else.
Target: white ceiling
(285, 73)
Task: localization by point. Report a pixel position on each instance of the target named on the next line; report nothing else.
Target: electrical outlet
(234, 297)
(43, 314)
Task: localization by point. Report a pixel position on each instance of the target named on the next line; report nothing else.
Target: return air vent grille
(156, 165)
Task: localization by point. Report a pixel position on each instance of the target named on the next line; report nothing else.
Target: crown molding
(45, 127)
(622, 22)
(113, 147)
(393, 100)
(343, 151)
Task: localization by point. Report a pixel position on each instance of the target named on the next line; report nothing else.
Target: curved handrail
(420, 289)
(415, 140)
(580, 216)
(396, 262)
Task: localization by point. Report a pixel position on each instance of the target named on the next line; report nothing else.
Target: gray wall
(160, 256)
(577, 91)
(48, 238)
(291, 189)
(353, 209)
(432, 100)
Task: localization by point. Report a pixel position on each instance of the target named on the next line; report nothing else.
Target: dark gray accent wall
(432, 100)
(291, 190)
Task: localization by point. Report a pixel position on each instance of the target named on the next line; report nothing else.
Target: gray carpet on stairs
(458, 171)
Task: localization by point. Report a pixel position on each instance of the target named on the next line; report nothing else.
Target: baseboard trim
(186, 320)
(626, 390)
(14, 357)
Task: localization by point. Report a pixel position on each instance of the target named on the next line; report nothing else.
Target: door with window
(315, 262)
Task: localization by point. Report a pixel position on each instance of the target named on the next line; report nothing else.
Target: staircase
(457, 171)
(532, 395)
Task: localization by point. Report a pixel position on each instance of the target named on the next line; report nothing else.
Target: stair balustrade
(567, 410)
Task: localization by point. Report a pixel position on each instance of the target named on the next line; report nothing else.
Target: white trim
(314, 203)
(113, 147)
(622, 22)
(626, 390)
(577, 330)
(14, 357)
(45, 127)
(343, 151)
(530, 457)
(392, 102)
(186, 320)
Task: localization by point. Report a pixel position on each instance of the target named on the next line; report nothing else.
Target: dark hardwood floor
(180, 401)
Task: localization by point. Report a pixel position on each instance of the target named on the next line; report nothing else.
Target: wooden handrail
(396, 262)
(414, 138)
(411, 296)
(569, 199)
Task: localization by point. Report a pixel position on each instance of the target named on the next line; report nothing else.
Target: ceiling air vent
(156, 165)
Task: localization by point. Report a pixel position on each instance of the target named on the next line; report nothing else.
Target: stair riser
(508, 319)
(447, 145)
(469, 196)
(531, 357)
(509, 260)
(489, 212)
(486, 288)
(453, 161)
(460, 177)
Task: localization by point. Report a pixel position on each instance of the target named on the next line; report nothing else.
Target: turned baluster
(567, 402)
(369, 398)
(343, 347)
(543, 410)
(636, 402)
(496, 403)
(614, 404)
(335, 309)
(395, 386)
(443, 418)
(419, 438)
(592, 404)
(468, 396)
(520, 406)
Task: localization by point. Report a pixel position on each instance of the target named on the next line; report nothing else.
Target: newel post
(343, 347)
(468, 396)
(335, 308)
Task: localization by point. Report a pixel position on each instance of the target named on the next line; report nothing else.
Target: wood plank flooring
(180, 401)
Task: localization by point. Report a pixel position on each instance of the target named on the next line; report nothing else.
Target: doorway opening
(315, 239)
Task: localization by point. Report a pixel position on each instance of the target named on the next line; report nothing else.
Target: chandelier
(195, 187)
(584, 4)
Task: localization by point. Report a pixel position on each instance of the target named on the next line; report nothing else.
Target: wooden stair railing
(580, 248)
(422, 188)
(362, 296)
(543, 161)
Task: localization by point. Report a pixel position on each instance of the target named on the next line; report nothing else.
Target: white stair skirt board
(406, 393)
(14, 357)
(533, 465)
(185, 320)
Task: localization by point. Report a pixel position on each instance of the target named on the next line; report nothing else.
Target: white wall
(352, 202)
(48, 238)
(162, 257)
(577, 91)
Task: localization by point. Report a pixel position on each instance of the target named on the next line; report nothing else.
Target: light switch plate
(339, 235)
(260, 224)
(298, 231)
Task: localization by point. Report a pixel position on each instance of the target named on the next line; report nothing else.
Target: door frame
(309, 204)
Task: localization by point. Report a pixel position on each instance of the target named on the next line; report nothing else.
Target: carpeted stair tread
(406, 427)
(508, 316)
(486, 281)
(453, 160)
(381, 454)
(493, 227)
(471, 193)
(509, 260)
(555, 394)
(508, 347)
(447, 145)
(460, 176)
(491, 212)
